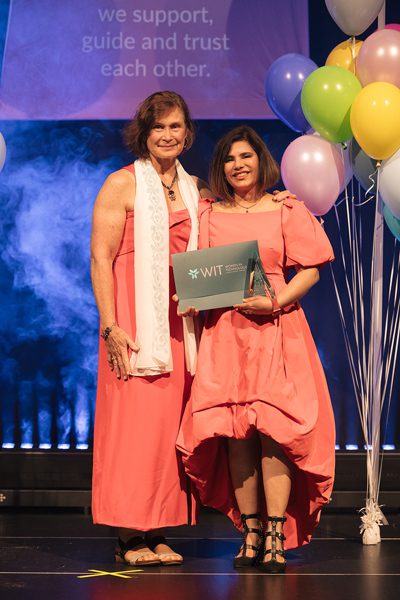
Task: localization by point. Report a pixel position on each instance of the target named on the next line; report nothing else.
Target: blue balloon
(392, 222)
(285, 79)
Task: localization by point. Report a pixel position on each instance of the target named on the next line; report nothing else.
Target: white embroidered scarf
(152, 294)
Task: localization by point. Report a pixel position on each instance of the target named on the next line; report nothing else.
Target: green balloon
(326, 99)
(392, 222)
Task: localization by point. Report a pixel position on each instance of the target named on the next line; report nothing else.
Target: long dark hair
(268, 167)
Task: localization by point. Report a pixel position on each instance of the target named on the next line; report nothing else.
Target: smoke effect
(49, 317)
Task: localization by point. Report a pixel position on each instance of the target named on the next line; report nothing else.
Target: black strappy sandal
(274, 566)
(139, 553)
(244, 560)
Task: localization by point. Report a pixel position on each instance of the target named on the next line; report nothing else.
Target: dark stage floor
(61, 556)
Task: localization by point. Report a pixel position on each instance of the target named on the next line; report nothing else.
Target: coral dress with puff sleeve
(263, 373)
(138, 478)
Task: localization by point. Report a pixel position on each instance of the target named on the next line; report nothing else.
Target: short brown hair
(147, 113)
(269, 169)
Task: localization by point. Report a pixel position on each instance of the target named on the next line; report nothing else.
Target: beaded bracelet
(107, 331)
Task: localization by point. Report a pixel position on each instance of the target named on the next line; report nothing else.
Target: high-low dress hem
(263, 374)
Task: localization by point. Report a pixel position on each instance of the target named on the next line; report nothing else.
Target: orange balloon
(345, 54)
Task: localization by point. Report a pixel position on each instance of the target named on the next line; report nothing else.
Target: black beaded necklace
(171, 193)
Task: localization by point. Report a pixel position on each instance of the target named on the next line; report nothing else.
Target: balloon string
(343, 146)
(353, 53)
(365, 201)
(376, 357)
(340, 201)
(353, 279)
(368, 372)
(369, 196)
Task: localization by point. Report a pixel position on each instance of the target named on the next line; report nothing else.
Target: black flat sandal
(274, 566)
(244, 560)
(136, 560)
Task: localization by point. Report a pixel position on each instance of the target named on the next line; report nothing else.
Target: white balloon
(354, 16)
(3, 151)
(389, 183)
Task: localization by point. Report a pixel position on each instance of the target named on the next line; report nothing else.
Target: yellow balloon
(345, 54)
(375, 119)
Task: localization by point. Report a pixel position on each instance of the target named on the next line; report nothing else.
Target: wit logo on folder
(212, 271)
(193, 273)
(214, 277)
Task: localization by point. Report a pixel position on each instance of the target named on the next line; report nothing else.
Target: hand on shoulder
(279, 196)
(203, 188)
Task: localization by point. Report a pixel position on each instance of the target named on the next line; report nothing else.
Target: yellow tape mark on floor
(121, 574)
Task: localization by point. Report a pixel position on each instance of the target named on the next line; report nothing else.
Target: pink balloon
(395, 26)
(313, 169)
(379, 58)
(345, 156)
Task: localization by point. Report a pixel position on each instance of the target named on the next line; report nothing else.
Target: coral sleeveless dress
(138, 478)
(263, 373)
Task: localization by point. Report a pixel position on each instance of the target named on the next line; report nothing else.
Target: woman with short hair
(143, 213)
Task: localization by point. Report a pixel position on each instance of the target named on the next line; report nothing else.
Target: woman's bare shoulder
(220, 206)
(121, 179)
(118, 190)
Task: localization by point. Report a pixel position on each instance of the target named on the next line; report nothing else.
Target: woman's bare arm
(115, 198)
(299, 286)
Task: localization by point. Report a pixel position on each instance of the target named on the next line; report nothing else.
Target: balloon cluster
(356, 93)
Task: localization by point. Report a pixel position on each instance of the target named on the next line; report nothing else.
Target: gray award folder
(215, 277)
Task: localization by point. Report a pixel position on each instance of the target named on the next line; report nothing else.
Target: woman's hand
(117, 344)
(255, 305)
(281, 196)
(191, 311)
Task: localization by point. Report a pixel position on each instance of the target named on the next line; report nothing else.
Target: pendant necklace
(247, 208)
(171, 193)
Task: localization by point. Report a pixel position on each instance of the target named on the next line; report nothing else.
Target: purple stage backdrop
(96, 59)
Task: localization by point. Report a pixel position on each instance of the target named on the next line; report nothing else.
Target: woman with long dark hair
(257, 435)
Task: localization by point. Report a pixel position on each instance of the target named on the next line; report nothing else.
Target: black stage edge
(63, 479)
